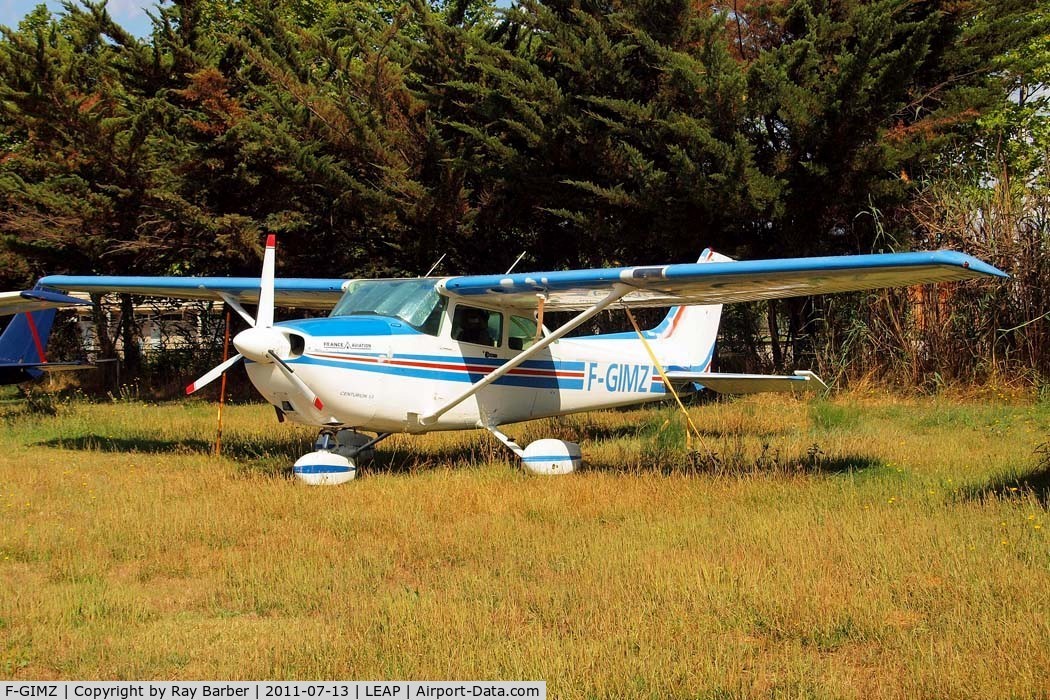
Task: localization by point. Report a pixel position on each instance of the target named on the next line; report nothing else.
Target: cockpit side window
(478, 326)
(432, 324)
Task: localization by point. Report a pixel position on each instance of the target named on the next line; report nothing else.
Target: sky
(129, 14)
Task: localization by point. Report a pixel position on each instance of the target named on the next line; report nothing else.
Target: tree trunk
(129, 333)
(107, 350)
(774, 336)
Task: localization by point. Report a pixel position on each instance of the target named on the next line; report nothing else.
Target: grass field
(859, 546)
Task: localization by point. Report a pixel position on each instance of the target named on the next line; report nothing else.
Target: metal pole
(222, 385)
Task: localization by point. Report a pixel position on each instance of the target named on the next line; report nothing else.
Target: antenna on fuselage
(515, 263)
(434, 266)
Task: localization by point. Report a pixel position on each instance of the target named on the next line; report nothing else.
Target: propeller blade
(236, 306)
(212, 374)
(306, 391)
(264, 316)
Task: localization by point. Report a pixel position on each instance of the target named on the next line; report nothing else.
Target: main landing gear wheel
(551, 457)
(547, 457)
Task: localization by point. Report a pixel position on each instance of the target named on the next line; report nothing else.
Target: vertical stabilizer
(24, 341)
(685, 339)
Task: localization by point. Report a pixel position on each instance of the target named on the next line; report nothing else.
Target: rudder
(26, 336)
(685, 339)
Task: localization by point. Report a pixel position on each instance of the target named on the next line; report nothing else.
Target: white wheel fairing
(552, 457)
(322, 468)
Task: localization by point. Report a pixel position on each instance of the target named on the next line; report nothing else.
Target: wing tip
(969, 262)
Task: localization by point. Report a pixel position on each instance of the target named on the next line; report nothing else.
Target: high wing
(571, 290)
(48, 366)
(35, 300)
(303, 293)
(719, 282)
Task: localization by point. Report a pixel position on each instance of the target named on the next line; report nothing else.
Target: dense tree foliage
(375, 136)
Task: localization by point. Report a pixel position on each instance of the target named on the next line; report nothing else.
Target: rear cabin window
(477, 326)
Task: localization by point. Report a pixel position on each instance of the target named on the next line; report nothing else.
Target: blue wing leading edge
(722, 282)
(303, 293)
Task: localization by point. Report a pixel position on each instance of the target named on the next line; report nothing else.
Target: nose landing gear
(336, 456)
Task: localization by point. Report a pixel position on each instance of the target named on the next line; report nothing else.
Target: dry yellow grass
(863, 546)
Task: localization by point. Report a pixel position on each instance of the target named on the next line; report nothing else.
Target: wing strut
(618, 290)
(667, 382)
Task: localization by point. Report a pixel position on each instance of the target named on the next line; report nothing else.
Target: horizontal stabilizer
(802, 380)
(36, 300)
(48, 366)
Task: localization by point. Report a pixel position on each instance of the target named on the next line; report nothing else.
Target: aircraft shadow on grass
(1034, 483)
(234, 449)
(770, 464)
(274, 457)
(593, 433)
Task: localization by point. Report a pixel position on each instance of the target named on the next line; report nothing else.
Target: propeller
(288, 372)
(213, 374)
(263, 343)
(264, 315)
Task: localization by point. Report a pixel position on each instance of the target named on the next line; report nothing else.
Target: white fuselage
(378, 374)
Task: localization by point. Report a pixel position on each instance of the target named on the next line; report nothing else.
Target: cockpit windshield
(414, 301)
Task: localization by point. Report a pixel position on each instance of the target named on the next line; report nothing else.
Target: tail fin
(24, 341)
(685, 339)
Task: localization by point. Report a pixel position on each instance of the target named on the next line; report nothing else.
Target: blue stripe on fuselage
(456, 375)
(562, 365)
(357, 327)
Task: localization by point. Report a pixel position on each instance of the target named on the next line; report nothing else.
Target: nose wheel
(325, 440)
(324, 468)
(337, 452)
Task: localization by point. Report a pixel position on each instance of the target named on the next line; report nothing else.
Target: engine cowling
(551, 457)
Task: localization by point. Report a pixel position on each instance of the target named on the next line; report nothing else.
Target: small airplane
(23, 344)
(416, 355)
